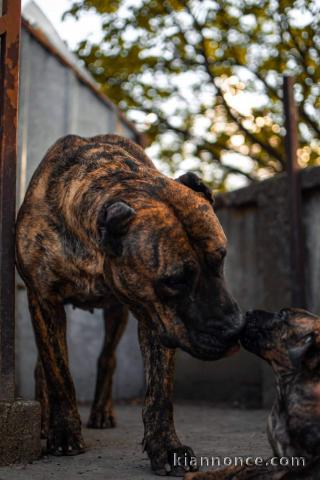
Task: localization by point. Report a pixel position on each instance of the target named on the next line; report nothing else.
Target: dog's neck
(283, 381)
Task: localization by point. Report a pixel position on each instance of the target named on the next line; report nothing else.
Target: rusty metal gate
(10, 21)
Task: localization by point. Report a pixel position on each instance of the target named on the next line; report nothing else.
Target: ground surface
(117, 455)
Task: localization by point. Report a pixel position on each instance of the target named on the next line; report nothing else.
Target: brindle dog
(101, 227)
(289, 341)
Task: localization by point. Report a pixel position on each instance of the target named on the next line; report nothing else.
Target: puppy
(289, 341)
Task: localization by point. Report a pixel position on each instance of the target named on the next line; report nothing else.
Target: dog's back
(72, 182)
(73, 158)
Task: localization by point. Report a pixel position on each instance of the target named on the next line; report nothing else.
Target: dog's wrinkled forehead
(178, 204)
(299, 320)
(158, 237)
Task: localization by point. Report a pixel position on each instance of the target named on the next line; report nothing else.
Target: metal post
(294, 191)
(9, 70)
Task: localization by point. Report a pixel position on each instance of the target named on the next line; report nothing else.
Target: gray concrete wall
(54, 102)
(311, 216)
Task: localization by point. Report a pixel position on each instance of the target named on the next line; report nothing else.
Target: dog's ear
(192, 181)
(113, 223)
(298, 354)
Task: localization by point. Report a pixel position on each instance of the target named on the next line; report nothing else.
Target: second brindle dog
(289, 341)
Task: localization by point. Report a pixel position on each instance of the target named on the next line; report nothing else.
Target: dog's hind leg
(41, 394)
(115, 321)
(49, 323)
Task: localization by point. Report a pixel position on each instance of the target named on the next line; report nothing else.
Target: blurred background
(201, 87)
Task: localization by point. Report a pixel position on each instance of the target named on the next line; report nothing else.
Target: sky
(70, 30)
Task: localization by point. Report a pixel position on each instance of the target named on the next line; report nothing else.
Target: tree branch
(228, 168)
(232, 114)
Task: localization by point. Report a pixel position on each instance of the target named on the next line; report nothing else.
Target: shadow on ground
(117, 454)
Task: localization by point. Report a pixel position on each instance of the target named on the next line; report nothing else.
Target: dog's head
(166, 251)
(288, 340)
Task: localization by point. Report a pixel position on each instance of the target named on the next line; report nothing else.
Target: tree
(203, 78)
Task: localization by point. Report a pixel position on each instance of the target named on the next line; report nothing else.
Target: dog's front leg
(167, 454)
(49, 322)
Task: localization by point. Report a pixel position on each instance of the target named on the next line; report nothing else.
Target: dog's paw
(101, 419)
(65, 438)
(180, 460)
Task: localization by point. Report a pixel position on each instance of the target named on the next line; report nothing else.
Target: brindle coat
(101, 227)
(289, 341)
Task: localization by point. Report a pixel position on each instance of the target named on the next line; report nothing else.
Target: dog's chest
(88, 293)
(277, 430)
(85, 286)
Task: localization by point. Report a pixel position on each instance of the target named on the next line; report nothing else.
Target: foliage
(203, 78)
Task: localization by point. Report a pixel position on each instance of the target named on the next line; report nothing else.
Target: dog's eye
(283, 314)
(215, 260)
(217, 256)
(173, 286)
(177, 284)
(221, 253)
(174, 283)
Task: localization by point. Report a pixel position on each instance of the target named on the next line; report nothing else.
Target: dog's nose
(234, 326)
(241, 322)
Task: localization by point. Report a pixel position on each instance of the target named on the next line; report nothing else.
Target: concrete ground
(117, 454)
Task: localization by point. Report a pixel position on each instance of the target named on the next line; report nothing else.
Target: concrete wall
(256, 222)
(311, 216)
(54, 102)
